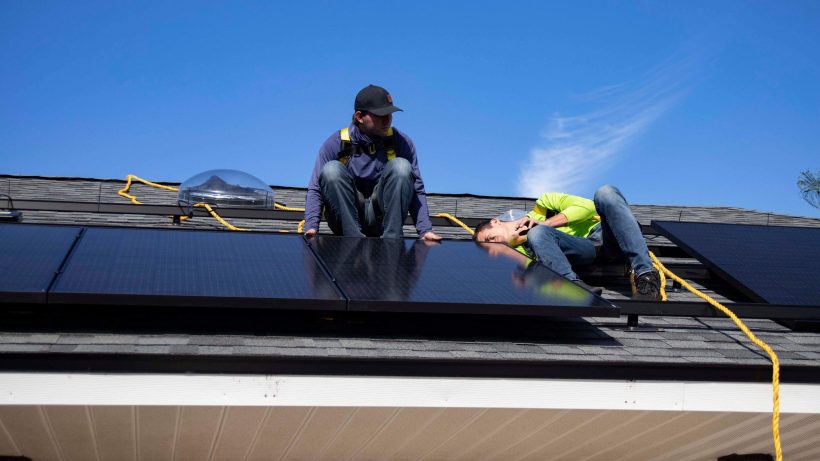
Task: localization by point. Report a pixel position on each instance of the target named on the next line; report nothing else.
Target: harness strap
(349, 149)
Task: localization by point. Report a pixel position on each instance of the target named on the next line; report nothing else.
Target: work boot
(594, 290)
(646, 287)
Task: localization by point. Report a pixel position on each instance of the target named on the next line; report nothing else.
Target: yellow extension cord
(455, 220)
(760, 343)
(662, 271)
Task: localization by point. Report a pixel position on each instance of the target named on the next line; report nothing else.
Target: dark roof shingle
(702, 343)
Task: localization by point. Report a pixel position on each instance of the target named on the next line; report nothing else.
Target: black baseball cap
(376, 100)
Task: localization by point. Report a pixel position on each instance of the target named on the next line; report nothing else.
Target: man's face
(502, 232)
(374, 125)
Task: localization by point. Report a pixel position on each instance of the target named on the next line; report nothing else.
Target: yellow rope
(663, 280)
(218, 218)
(754, 339)
(124, 191)
(301, 225)
(279, 206)
(455, 220)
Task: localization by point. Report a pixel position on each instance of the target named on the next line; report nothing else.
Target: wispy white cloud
(577, 148)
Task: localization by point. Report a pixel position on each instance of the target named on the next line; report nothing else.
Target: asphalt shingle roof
(44, 339)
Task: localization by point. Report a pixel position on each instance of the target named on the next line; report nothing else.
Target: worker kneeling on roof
(565, 230)
(367, 176)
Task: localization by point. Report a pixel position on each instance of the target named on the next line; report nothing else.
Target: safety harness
(349, 149)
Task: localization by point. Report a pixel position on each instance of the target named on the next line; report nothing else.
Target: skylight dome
(227, 189)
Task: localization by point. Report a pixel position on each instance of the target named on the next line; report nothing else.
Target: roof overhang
(375, 391)
(82, 416)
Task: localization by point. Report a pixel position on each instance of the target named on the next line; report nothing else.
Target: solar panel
(194, 268)
(30, 257)
(773, 264)
(398, 275)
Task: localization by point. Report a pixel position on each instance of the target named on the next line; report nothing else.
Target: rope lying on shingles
(455, 220)
(124, 193)
(662, 271)
(219, 218)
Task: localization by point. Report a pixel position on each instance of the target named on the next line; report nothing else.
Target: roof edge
(378, 391)
(413, 367)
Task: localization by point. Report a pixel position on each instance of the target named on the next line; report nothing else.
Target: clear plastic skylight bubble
(226, 189)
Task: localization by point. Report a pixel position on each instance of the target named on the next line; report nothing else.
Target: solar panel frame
(173, 268)
(30, 259)
(753, 252)
(413, 276)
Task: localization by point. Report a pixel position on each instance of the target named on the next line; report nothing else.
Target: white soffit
(324, 391)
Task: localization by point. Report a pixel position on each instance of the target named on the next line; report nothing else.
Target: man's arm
(313, 200)
(569, 208)
(418, 207)
(528, 223)
(559, 220)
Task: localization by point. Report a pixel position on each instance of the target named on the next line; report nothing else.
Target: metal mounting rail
(702, 309)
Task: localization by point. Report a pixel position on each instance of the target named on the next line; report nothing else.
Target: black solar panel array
(179, 268)
(165, 267)
(30, 257)
(772, 264)
(399, 275)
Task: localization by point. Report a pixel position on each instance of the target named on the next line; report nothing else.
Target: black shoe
(594, 290)
(646, 287)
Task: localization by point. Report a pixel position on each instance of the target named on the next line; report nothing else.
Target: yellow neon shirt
(580, 213)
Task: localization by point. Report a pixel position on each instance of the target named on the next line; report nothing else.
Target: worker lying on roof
(564, 230)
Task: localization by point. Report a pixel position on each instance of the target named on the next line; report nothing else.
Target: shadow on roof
(192, 321)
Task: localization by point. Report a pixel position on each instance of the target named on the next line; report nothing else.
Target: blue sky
(696, 102)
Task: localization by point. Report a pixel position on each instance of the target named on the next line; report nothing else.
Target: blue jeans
(350, 213)
(618, 235)
(560, 251)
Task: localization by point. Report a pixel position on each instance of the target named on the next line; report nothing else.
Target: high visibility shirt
(367, 170)
(580, 213)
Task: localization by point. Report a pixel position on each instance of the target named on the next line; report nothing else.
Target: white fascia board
(334, 391)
